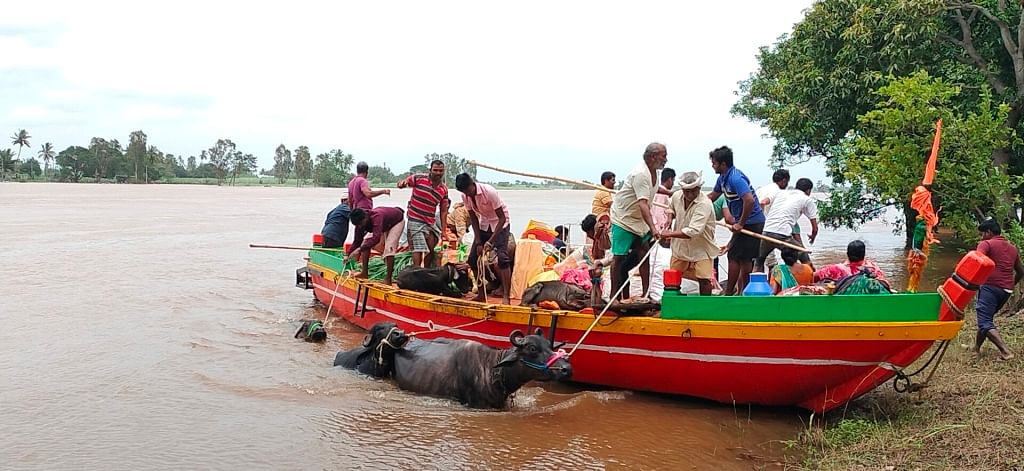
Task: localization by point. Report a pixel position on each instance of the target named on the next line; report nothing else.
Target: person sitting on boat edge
(744, 214)
(856, 261)
(791, 272)
(633, 227)
(360, 195)
(998, 287)
(428, 203)
(693, 234)
(787, 207)
(489, 218)
(335, 229)
(385, 225)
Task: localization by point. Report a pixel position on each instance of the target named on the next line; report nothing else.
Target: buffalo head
(534, 353)
(458, 273)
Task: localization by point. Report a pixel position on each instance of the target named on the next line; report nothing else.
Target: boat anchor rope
(903, 383)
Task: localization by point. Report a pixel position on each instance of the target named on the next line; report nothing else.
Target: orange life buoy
(961, 287)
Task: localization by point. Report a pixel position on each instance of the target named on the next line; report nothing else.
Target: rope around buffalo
(334, 294)
(597, 319)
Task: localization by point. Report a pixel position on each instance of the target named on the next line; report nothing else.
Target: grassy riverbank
(971, 416)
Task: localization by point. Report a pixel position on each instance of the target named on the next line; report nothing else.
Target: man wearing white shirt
(787, 208)
(767, 193)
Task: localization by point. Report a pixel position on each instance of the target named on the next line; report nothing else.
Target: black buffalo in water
(474, 374)
(374, 357)
(567, 295)
(448, 280)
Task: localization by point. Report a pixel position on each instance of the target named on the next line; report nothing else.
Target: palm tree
(20, 139)
(47, 154)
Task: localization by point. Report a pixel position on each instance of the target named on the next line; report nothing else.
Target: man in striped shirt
(428, 192)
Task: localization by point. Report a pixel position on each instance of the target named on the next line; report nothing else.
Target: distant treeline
(140, 162)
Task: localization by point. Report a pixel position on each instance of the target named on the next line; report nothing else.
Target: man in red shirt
(385, 225)
(428, 192)
(997, 289)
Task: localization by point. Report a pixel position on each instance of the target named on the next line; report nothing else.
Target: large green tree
(282, 163)
(30, 167)
(893, 143)
(74, 163)
(137, 150)
(242, 164)
(303, 165)
(220, 157)
(333, 168)
(813, 84)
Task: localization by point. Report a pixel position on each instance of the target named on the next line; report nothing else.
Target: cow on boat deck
(450, 280)
(474, 374)
(374, 357)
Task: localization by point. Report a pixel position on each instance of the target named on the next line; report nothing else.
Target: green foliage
(849, 206)
(813, 83)
(220, 156)
(848, 432)
(108, 157)
(75, 162)
(136, 152)
(21, 139)
(303, 165)
(453, 166)
(31, 168)
(380, 174)
(333, 168)
(7, 162)
(894, 140)
(283, 163)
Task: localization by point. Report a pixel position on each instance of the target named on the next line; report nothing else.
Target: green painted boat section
(840, 308)
(919, 307)
(332, 260)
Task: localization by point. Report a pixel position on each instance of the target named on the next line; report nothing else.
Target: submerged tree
(220, 157)
(282, 163)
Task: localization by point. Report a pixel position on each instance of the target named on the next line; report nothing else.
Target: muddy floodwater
(140, 332)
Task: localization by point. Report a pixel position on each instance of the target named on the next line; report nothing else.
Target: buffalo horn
(516, 338)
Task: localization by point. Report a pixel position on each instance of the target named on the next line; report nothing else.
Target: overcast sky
(565, 88)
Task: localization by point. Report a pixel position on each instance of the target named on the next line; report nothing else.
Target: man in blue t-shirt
(335, 229)
(744, 213)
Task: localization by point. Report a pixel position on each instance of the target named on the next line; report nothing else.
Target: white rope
(632, 272)
(334, 295)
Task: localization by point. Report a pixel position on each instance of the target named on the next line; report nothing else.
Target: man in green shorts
(632, 223)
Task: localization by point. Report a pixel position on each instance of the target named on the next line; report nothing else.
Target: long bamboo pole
(601, 188)
(291, 247)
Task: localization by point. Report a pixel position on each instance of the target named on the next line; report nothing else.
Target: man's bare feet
(480, 298)
(1007, 356)
(506, 301)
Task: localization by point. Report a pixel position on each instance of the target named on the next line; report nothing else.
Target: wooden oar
(290, 247)
(553, 178)
(766, 238)
(601, 188)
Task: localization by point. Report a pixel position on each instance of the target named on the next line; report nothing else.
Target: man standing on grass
(428, 193)
(489, 218)
(997, 289)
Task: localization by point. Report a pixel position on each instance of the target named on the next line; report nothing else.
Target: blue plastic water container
(758, 285)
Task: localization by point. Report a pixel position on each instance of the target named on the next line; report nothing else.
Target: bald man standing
(633, 228)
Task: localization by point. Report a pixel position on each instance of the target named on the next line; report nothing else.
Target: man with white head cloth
(693, 231)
